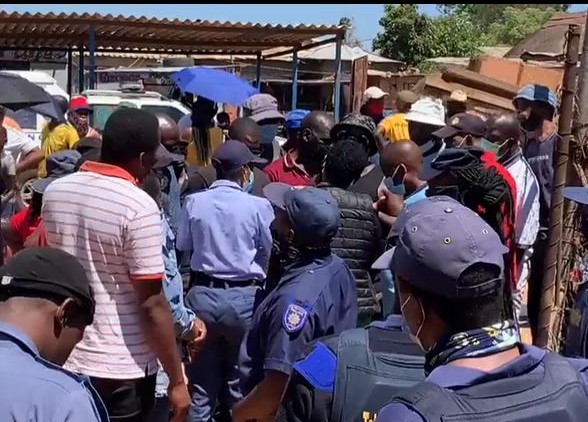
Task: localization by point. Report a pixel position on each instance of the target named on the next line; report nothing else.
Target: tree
(412, 37)
(350, 37)
(504, 24)
(517, 24)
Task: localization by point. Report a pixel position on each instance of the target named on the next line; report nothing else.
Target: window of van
(26, 119)
(100, 115)
(172, 112)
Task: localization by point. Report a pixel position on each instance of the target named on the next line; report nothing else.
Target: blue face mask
(248, 186)
(392, 186)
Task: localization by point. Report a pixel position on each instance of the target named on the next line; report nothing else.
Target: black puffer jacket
(358, 242)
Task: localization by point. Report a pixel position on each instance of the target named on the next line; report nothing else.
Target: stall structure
(94, 33)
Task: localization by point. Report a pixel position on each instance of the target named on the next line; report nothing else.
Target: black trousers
(127, 400)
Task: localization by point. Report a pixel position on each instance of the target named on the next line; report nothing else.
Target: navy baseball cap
(314, 213)
(450, 159)
(463, 124)
(232, 155)
(437, 243)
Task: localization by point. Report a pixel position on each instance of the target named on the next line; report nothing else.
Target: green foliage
(517, 24)
(412, 37)
(460, 31)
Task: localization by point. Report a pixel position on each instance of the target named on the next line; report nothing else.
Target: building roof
(328, 52)
(551, 38)
(150, 35)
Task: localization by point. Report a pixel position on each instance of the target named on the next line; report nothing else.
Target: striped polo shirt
(113, 227)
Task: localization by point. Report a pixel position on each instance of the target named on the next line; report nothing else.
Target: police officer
(45, 305)
(449, 269)
(349, 377)
(577, 329)
(315, 297)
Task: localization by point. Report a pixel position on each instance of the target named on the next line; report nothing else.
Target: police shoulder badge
(294, 318)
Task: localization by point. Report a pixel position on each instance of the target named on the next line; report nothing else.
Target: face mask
(375, 108)
(405, 327)
(79, 123)
(392, 186)
(248, 186)
(490, 147)
(268, 133)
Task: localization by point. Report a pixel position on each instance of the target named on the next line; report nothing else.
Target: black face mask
(533, 122)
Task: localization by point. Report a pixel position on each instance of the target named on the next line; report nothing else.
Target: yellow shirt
(61, 138)
(215, 136)
(395, 127)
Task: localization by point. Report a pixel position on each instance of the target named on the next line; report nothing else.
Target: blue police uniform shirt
(312, 300)
(451, 376)
(36, 390)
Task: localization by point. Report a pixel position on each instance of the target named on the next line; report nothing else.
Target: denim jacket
(173, 286)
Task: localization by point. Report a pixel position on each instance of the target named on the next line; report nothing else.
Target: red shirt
(508, 228)
(285, 170)
(22, 223)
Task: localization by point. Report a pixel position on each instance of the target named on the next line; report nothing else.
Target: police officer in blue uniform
(577, 329)
(449, 269)
(316, 297)
(45, 304)
(349, 377)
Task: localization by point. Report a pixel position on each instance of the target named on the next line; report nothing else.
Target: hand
(199, 332)
(179, 401)
(389, 203)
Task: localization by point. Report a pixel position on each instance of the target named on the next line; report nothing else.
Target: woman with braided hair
(462, 174)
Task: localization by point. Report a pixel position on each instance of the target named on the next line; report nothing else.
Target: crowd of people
(377, 267)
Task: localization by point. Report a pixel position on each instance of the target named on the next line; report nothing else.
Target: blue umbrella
(214, 84)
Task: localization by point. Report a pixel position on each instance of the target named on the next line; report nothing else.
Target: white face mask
(413, 337)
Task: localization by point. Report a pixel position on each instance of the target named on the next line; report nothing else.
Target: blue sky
(365, 16)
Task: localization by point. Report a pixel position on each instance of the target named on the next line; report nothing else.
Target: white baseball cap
(373, 93)
(428, 111)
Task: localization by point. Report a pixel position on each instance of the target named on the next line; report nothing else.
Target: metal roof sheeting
(142, 34)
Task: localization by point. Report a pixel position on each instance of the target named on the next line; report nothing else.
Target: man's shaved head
(400, 152)
(505, 131)
(246, 130)
(320, 123)
(170, 132)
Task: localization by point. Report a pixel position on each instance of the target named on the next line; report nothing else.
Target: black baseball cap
(463, 124)
(47, 271)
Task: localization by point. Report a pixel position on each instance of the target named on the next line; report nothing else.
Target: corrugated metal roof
(142, 34)
(550, 39)
(348, 53)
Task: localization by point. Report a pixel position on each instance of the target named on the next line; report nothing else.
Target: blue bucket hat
(295, 117)
(59, 164)
(313, 213)
(437, 242)
(540, 93)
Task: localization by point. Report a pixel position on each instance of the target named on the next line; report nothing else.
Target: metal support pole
(552, 262)
(69, 71)
(81, 70)
(258, 72)
(92, 51)
(337, 105)
(294, 79)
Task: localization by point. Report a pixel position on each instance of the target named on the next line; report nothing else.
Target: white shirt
(19, 144)
(527, 207)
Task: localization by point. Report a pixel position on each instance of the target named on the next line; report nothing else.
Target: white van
(32, 123)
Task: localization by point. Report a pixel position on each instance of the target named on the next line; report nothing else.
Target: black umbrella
(50, 110)
(17, 92)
